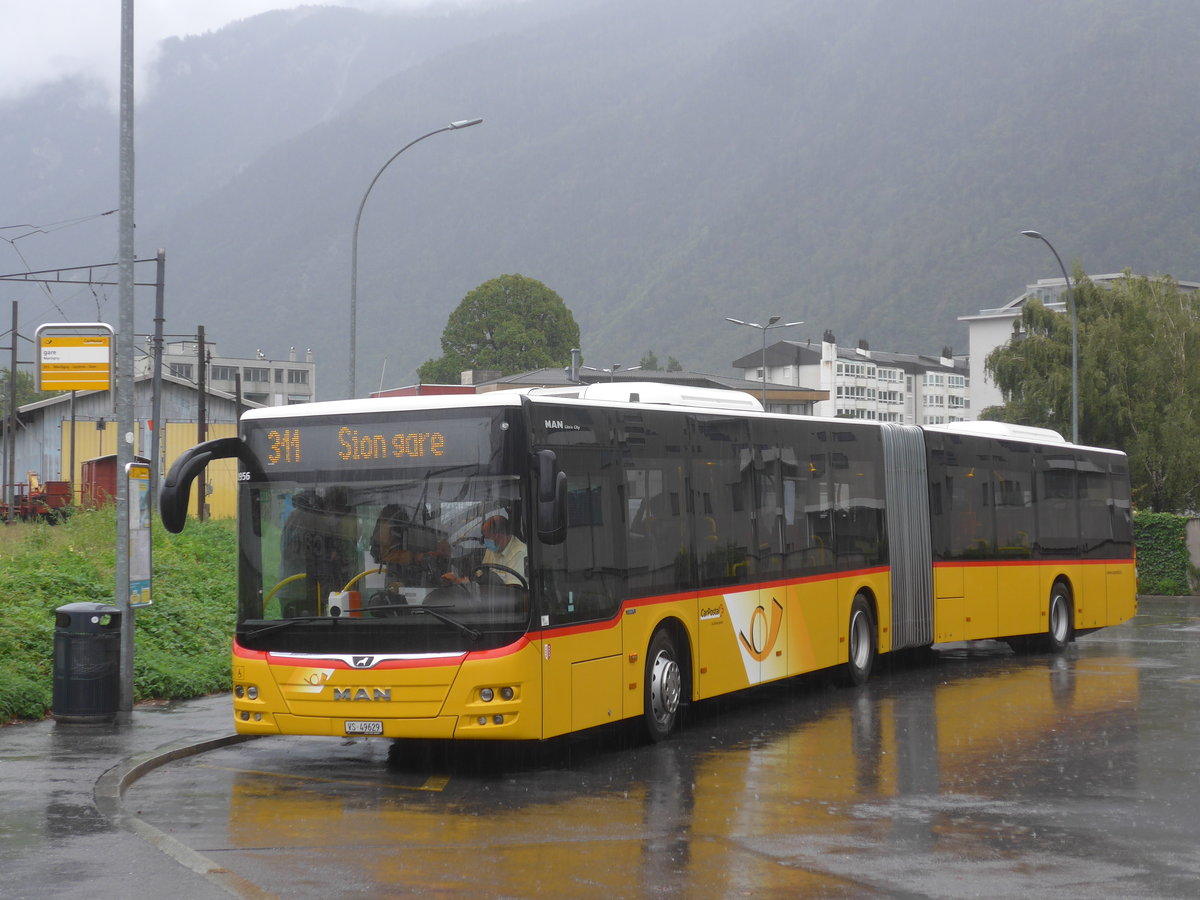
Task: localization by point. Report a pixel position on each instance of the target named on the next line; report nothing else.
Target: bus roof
(1005, 430)
(645, 392)
(625, 393)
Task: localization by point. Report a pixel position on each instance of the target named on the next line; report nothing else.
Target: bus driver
(501, 548)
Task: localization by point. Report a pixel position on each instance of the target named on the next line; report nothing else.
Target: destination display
(310, 444)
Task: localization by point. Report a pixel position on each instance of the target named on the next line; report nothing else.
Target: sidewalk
(63, 830)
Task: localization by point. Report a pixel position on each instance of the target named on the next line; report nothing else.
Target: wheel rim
(860, 640)
(666, 685)
(1059, 619)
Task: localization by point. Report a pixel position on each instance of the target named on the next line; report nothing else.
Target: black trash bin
(87, 663)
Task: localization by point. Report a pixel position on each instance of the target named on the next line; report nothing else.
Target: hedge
(1163, 564)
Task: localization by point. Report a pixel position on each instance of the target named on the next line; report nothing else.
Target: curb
(109, 796)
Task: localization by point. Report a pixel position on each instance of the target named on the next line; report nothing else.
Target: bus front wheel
(860, 640)
(663, 686)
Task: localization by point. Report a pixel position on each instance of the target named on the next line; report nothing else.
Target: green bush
(21, 698)
(1163, 564)
(182, 642)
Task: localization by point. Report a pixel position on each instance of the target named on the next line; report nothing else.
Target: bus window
(583, 578)
(658, 552)
(723, 501)
(961, 481)
(794, 533)
(1121, 508)
(1098, 525)
(856, 463)
(1012, 488)
(775, 505)
(1057, 512)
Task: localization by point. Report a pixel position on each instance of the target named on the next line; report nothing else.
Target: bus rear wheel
(860, 641)
(663, 687)
(1058, 625)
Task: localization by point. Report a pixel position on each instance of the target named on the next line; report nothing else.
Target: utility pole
(124, 373)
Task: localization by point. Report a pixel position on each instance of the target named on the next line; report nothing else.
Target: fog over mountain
(862, 165)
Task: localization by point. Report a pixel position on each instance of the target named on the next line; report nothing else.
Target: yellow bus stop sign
(75, 362)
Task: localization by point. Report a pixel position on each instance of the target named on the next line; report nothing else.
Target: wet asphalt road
(970, 773)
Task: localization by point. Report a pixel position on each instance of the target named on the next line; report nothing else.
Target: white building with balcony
(868, 384)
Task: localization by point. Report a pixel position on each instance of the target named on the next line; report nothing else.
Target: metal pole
(10, 429)
(156, 378)
(201, 417)
(124, 373)
(764, 366)
(71, 479)
(352, 388)
(1074, 336)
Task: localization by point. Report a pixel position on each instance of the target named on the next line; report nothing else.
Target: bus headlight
(487, 695)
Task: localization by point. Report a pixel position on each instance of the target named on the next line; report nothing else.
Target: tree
(510, 324)
(1139, 380)
(650, 363)
(26, 390)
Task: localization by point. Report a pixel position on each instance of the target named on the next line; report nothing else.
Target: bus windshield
(419, 554)
(346, 554)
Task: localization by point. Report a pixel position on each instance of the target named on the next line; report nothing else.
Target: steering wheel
(384, 599)
(479, 570)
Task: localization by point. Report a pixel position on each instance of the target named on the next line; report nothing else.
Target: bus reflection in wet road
(973, 772)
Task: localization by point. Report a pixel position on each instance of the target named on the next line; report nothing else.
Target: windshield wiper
(436, 612)
(287, 623)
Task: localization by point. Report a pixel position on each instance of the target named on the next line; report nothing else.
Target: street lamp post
(772, 322)
(352, 387)
(611, 372)
(1036, 235)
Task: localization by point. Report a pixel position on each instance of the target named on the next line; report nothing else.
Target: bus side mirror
(176, 488)
(551, 499)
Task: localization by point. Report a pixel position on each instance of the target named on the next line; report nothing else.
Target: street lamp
(611, 372)
(1036, 235)
(772, 322)
(453, 126)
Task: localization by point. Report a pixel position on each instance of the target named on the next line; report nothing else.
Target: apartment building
(862, 383)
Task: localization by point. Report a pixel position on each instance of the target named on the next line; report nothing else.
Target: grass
(181, 642)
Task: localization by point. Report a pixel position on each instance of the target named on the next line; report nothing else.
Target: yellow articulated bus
(521, 565)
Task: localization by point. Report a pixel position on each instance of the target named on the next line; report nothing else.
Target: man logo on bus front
(363, 662)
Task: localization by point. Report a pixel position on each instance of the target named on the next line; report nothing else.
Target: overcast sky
(44, 40)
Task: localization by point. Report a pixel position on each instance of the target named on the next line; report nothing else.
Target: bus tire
(1058, 620)
(663, 686)
(860, 643)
